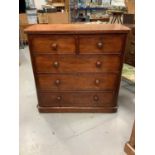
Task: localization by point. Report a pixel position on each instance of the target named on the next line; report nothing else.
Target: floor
(71, 133)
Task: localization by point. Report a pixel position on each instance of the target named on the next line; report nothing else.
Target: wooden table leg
(120, 19)
(115, 19)
(112, 19)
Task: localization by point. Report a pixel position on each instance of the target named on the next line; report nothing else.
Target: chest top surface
(76, 28)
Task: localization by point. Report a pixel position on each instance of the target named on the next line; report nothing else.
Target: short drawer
(77, 63)
(107, 43)
(52, 44)
(76, 99)
(57, 82)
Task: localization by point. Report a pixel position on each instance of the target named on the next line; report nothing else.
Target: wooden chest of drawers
(77, 67)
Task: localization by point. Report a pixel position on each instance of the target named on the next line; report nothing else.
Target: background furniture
(57, 6)
(128, 18)
(102, 19)
(23, 23)
(72, 75)
(53, 18)
(130, 146)
(130, 4)
(78, 7)
(130, 46)
(116, 16)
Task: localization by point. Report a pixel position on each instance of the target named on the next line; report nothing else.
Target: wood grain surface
(76, 28)
(77, 63)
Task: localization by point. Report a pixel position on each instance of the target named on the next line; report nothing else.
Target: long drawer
(58, 82)
(69, 44)
(77, 63)
(76, 99)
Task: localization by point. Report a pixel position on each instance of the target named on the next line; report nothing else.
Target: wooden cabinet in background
(77, 67)
(23, 24)
(53, 18)
(130, 47)
(130, 4)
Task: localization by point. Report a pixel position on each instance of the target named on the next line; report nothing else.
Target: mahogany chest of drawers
(77, 67)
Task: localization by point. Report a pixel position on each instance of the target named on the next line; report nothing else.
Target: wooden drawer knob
(59, 98)
(99, 44)
(97, 82)
(57, 82)
(96, 98)
(54, 46)
(98, 64)
(56, 64)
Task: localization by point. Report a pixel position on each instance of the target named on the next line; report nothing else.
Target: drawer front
(53, 44)
(57, 82)
(107, 43)
(77, 63)
(76, 99)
